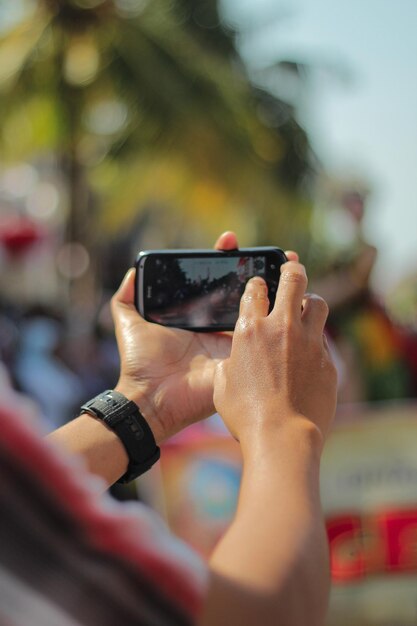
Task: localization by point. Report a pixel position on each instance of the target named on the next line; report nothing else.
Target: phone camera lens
(258, 264)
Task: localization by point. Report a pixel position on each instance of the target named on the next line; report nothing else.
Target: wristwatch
(125, 419)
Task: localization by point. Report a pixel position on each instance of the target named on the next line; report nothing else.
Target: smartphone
(200, 290)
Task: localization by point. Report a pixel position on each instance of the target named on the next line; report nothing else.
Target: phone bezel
(140, 264)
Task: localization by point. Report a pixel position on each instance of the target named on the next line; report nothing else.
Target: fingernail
(256, 281)
(290, 266)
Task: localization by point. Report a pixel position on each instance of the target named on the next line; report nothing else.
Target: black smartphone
(200, 290)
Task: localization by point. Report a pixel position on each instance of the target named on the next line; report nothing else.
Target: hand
(282, 358)
(168, 372)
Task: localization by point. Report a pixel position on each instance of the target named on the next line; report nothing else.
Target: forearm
(100, 447)
(271, 567)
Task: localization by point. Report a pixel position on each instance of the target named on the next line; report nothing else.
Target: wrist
(294, 436)
(122, 416)
(140, 394)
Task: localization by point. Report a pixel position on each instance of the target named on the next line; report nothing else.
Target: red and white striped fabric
(71, 555)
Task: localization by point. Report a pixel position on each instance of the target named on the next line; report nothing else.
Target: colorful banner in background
(369, 494)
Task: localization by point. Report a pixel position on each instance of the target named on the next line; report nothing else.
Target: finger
(315, 313)
(291, 255)
(126, 292)
(227, 241)
(254, 302)
(291, 290)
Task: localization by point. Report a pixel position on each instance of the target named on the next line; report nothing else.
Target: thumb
(126, 292)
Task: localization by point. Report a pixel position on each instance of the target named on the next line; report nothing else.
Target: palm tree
(107, 82)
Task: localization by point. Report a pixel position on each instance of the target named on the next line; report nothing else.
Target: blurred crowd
(54, 365)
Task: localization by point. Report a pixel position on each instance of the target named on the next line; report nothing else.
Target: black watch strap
(123, 416)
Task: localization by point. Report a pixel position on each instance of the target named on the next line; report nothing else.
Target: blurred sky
(367, 124)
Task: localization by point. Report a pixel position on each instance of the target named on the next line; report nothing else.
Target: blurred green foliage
(148, 103)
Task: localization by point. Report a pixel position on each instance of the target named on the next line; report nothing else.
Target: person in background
(72, 556)
(41, 374)
(377, 355)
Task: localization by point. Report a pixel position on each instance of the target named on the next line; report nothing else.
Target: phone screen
(202, 291)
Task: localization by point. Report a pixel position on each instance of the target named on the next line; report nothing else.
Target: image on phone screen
(199, 292)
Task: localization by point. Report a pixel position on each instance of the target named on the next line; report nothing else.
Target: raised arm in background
(277, 395)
